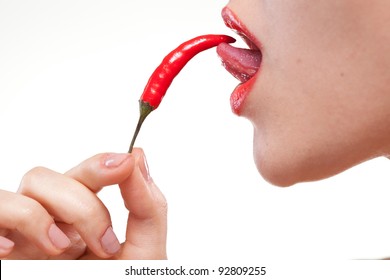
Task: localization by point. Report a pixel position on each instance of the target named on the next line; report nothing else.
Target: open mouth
(243, 64)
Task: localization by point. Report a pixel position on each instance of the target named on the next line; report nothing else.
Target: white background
(71, 73)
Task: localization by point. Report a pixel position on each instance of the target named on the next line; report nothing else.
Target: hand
(59, 216)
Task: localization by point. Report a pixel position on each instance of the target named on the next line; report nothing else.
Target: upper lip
(236, 25)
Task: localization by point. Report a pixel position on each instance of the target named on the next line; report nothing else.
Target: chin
(272, 164)
(276, 171)
(284, 165)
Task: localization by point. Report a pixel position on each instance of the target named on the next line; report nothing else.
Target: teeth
(250, 44)
(241, 63)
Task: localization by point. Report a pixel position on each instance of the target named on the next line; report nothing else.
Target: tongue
(241, 63)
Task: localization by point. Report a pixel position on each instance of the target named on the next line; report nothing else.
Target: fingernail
(114, 160)
(144, 167)
(110, 242)
(58, 238)
(5, 243)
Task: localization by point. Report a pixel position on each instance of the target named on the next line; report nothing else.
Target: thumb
(147, 221)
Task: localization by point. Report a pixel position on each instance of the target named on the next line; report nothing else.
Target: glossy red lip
(233, 22)
(243, 64)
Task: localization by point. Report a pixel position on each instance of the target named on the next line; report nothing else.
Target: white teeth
(250, 44)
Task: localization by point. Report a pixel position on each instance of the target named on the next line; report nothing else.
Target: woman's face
(320, 102)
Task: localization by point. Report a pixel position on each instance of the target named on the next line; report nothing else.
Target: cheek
(307, 130)
(302, 124)
(313, 112)
(288, 148)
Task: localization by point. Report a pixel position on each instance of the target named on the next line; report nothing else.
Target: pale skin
(320, 105)
(321, 102)
(59, 216)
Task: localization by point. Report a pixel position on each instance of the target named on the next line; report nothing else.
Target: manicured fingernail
(110, 242)
(5, 243)
(114, 160)
(58, 238)
(144, 167)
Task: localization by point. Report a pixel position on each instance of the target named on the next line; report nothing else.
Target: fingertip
(110, 242)
(142, 164)
(6, 246)
(58, 237)
(137, 152)
(114, 160)
(144, 168)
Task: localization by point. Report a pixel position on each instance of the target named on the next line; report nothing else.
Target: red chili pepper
(164, 74)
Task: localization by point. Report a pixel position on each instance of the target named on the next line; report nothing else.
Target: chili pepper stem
(144, 110)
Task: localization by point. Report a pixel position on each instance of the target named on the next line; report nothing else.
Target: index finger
(103, 170)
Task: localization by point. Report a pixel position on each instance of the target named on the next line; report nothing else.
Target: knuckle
(93, 209)
(30, 178)
(30, 213)
(89, 211)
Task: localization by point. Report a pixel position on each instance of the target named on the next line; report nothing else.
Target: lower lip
(239, 95)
